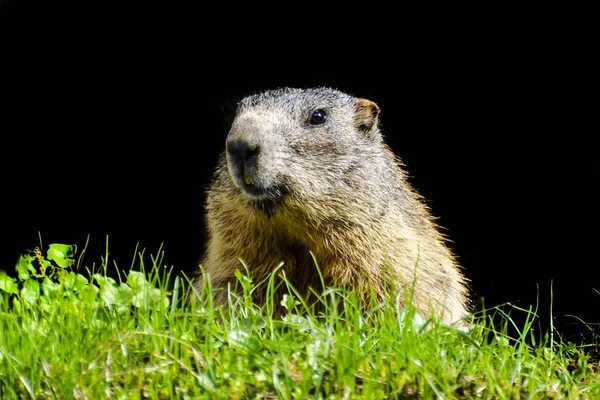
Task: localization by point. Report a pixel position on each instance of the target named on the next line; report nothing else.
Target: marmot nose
(243, 156)
(243, 152)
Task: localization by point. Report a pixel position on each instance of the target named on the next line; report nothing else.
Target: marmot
(307, 170)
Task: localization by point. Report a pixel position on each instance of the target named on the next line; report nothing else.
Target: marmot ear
(367, 118)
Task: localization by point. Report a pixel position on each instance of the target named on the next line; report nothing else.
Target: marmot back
(307, 170)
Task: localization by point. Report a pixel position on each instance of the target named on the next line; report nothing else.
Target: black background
(113, 118)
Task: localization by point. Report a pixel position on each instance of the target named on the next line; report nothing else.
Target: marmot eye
(318, 117)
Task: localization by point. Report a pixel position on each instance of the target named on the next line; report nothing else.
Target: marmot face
(300, 142)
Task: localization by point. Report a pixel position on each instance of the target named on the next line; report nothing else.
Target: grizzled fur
(293, 181)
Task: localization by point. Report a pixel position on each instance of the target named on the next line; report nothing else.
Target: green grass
(139, 336)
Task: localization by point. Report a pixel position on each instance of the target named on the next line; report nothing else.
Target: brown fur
(286, 187)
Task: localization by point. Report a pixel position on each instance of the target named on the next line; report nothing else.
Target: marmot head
(300, 142)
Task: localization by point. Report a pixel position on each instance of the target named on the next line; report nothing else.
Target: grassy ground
(67, 332)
